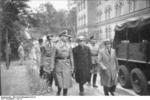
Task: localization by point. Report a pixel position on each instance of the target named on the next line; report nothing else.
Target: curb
(131, 91)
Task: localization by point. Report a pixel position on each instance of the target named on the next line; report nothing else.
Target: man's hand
(73, 75)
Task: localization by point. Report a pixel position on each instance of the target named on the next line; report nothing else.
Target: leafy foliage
(13, 12)
(72, 21)
(48, 21)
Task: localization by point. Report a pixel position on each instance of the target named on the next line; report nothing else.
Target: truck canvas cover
(134, 31)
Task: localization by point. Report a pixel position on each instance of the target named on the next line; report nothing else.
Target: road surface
(22, 80)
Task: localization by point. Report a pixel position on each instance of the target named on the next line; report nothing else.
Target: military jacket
(48, 57)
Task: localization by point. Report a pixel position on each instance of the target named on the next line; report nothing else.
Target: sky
(58, 4)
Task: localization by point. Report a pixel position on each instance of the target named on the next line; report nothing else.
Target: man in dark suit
(82, 63)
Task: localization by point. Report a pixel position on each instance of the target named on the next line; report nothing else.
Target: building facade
(115, 12)
(72, 4)
(86, 17)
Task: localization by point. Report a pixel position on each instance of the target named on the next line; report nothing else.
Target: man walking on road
(108, 68)
(63, 65)
(82, 63)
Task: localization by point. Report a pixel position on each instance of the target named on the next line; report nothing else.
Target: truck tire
(124, 77)
(139, 82)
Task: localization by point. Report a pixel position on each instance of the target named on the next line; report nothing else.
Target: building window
(118, 7)
(132, 5)
(99, 2)
(79, 7)
(99, 15)
(84, 19)
(107, 12)
(109, 31)
(106, 31)
(100, 33)
(147, 3)
(84, 3)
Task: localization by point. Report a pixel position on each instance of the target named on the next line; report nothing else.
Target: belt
(58, 58)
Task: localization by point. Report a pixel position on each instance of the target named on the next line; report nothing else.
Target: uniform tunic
(94, 53)
(48, 58)
(63, 66)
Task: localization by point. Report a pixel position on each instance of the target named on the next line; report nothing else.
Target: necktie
(109, 51)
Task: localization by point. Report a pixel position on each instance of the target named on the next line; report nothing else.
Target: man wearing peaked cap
(64, 33)
(94, 47)
(64, 66)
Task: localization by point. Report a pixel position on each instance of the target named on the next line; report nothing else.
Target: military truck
(132, 44)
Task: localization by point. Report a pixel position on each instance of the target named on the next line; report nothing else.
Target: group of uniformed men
(62, 60)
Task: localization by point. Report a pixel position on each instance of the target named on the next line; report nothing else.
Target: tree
(47, 20)
(13, 12)
(71, 21)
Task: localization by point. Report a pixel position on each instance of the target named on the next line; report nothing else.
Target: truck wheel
(124, 77)
(139, 81)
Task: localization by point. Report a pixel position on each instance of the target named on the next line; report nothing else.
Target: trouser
(112, 89)
(109, 89)
(81, 87)
(65, 91)
(50, 79)
(94, 78)
(41, 72)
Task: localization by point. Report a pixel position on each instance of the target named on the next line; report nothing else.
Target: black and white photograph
(74, 48)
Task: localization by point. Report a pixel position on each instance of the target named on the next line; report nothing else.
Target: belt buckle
(65, 58)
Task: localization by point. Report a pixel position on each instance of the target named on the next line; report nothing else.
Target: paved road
(22, 80)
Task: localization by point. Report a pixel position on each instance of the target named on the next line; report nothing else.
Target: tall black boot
(89, 80)
(58, 92)
(106, 91)
(65, 92)
(112, 90)
(51, 78)
(94, 80)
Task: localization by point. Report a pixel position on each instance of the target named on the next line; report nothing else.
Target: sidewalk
(14, 80)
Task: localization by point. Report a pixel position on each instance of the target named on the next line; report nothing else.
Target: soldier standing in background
(21, 53)
(94, 47)
(8, 55)
(42, 49)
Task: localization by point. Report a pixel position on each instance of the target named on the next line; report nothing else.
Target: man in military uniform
(63, 64)
(94, 47)
(48, 61)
